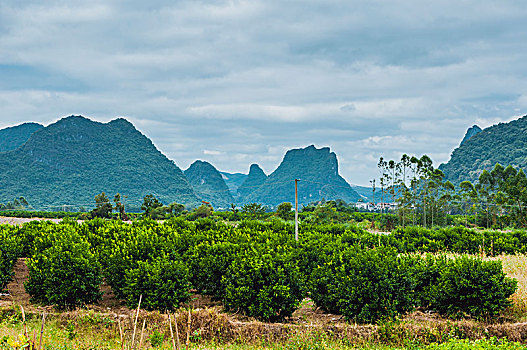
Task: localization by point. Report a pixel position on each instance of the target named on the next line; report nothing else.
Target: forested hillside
(318, 171)
(505, 143)
(233, 181)
(253, 181)
(208, 184)
(13, 137)
(74, 159)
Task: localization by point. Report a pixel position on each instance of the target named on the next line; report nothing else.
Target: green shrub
(263, 283)
(10, 250)
(365, 285)
(130, 244)
(164, 284)
(427, 271)
(472, 286)
(65, 274)
(209, 263)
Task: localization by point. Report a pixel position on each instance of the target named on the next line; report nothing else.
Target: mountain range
(74, 159)
(70, 161)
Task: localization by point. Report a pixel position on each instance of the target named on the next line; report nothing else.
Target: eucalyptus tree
(404, 166)
(469, 195)
(382, 166)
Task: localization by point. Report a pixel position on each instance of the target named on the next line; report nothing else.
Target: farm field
(252, 285)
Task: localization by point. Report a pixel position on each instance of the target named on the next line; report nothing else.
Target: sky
(241, 82)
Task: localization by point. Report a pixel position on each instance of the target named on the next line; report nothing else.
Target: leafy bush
(364, 285)
(128, 245)
(9, 252)
(209, 263)
(65, 274)
(163, 283)
(263, 283)
(469, 285)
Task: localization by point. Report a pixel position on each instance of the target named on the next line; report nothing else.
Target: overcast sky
(240, 82)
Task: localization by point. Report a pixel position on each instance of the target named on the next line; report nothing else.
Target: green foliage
(64, 274)
(479, 344)
(156, 339)
(103, 207)
(209, 262)
(283, 211)
(471, 286)
(365, 285)
(258, 268)
(151, 206)
(18, 204)
(263, 283)
(203, 211)
(253, 210)
(10, 250)
(163, 283)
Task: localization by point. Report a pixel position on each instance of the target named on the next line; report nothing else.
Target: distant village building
(369, 206)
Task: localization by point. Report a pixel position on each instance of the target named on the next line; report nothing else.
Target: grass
(59, 336)
(516, 266)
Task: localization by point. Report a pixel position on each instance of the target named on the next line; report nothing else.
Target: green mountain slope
(74, 159)
(254, 180)
(505, 143)
(233, 181)
(366, 193)
(13, 137)
(208, 184)
(318, 171)
(470, 132)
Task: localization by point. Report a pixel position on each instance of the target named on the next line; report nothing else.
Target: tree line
(424, 197)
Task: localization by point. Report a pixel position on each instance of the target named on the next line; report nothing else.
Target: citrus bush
(164, 284)
(263, 283)
(364, 285)
(209, 263)
(66, 274)
(471, 286)
(10, 250)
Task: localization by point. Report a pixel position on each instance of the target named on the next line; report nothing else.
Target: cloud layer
(237, 82)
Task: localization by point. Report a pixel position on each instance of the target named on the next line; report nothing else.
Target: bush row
(259, 269)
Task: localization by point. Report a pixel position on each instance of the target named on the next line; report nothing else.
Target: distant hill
(505, 143)
(74, 159)
(318, 171)
(364, 192)
(233, 181)
(13, 137)
(252, 182)
(208, 184)
(470, 132)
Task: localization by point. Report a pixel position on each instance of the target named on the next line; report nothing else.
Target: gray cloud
(236, 82)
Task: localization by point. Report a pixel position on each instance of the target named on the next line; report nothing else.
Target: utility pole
(296, 209)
